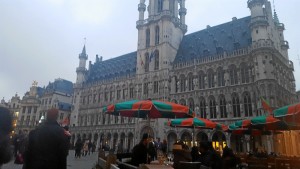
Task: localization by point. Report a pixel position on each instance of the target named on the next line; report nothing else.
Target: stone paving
(86, 162)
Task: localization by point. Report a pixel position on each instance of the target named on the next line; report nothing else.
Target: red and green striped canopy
(149, 108)
(193, 122)
(242, 123)
(263, 120)
(289, 114)
(235, 130)
(268, 123)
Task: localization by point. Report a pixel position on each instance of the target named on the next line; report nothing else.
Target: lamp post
(42, 120)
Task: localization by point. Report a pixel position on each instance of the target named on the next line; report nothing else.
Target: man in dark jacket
(47, 145)
(139, 152)
(5, 128)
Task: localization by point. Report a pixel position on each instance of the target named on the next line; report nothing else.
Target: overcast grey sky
(41, 39)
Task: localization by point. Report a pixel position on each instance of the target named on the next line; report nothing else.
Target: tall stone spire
(275, 17)
(81, 69)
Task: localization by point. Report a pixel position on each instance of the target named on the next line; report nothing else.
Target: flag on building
(266, 106)
(151, 56)
(65, 122)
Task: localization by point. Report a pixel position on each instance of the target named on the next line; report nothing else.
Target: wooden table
(157, 166)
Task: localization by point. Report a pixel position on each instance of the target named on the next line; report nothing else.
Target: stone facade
(221, 73)
(35, 103)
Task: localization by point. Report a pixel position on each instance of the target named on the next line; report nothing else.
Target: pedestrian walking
(47, 145)
(90, 146)
(85, 148)
(78, 147)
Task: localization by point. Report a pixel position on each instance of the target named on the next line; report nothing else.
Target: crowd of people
(84, 147)
(46, 146)
(145, 152)
(205, 154)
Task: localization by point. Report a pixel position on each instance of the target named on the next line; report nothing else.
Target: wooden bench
(113, 166)
(123, 165)
(102, 163)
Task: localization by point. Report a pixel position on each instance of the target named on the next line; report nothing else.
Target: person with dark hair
(47, 145)
(229, 160)
(139, 152)
(205, 156)
(151, 150)
(195, 153)
(180, 154)
(209, 157)
(5, 128)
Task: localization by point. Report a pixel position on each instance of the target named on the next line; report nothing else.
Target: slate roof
(60, 85)
(64, 106)
(215, 40)
(111, 68)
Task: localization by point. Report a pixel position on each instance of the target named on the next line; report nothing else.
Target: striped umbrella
(235, 130)
(195, 122)
(243, 123)
(149, 108)
(268, 123)
(289, 114)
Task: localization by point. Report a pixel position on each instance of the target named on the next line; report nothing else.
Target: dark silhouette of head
(5, 121)
(52, 114)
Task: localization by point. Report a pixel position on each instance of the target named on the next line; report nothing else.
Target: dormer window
(220, 50)
(236, 45)
(206, 52)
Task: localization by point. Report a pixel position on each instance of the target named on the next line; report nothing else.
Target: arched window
(182, 102)
(156, 35)
(190, 82)
(147, 62)
(221, 81)
(236, 105)
(211, 79)
(182, 83)
(191, 104)
(212, 108)
(247, 104)
(245, 73)
(233, 75)
(146, 88)
(147, 38)
(160, 6)
(202, 108)
(201, 80)
(156, 60)
(223, 107)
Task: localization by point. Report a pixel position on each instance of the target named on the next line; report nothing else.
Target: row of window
(108, 96)
(211, 107)
(212, 78)
(148, 35)
(29, 109)
(104, 119)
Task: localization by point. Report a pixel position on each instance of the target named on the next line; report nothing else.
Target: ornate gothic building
(221, 72)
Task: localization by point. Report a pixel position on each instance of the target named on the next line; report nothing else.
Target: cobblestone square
(86, 162)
